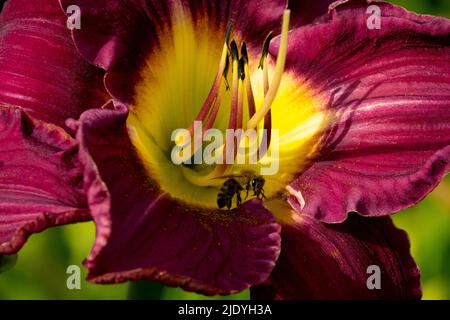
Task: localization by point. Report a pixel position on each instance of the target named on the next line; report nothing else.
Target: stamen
(240, 113)
(247, 82)
(228, 32)
(279, 70)
(225, 72)
(227, 61)
(235, 85)
(234, 51)
(240, 81)
(267, 135)
(214, 89)
(265, 50)
(194, 147)
(233, 121)
(221, 74)
(236, 91)
(213, 114)
(267, 132)
(265, 69)
(240, 106)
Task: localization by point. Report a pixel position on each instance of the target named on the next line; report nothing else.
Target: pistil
(279, 70)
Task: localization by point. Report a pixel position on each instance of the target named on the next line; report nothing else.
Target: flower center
(176, 93)
(240, 75)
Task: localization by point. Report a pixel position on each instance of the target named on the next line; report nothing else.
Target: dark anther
(244, 53)
(225, 72)
(265, 50)
(241, 69)
(234, 51)
(228, 33)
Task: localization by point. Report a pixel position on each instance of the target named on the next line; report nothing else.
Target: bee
(249, 181)
(226, 194)
(256, 184)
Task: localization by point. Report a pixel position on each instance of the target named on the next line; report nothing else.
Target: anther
(265, 49)
(234, 51)
(241, 69)
(248, 83)
(228, 32)
(225, 72)
(244, 53)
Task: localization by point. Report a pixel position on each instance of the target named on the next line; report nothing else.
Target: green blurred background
(40, 272)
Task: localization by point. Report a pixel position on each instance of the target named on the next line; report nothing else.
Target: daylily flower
(363, 119)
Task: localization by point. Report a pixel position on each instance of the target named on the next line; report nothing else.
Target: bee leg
(229, 204)
(263, 196)
(247, 189)
(238, 199)
(259, 195)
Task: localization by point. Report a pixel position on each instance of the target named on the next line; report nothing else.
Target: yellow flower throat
(176, 91)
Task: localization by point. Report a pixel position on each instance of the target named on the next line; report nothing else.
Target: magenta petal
(40, 179)
(144, 234)
(389, 144)
(320, 261)
(306, 11)
(40, 69)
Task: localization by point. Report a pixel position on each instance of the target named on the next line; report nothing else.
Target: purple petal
(118, 36)
(320, 261)
(144, 234)
(40, 179)
(306, 11)
(389, 93)
(40, 69)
